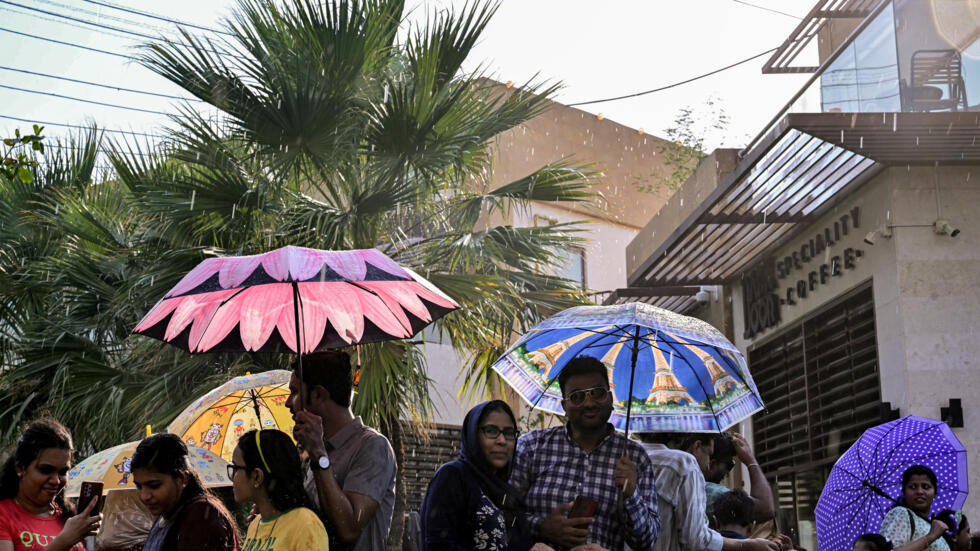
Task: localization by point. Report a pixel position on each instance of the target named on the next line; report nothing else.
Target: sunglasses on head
(597, 393)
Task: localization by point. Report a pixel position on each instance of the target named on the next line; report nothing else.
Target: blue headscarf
(492, 481)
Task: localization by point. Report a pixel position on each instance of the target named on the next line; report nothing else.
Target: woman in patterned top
(907, 525)
(469, 505)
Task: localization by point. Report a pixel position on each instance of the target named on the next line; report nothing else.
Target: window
(820, 382)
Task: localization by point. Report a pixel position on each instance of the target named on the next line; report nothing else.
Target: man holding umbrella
(587, 458)
(352, 467)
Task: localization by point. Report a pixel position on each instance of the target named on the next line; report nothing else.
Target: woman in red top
(33, 513)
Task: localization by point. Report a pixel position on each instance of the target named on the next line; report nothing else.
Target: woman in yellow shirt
(265, 470)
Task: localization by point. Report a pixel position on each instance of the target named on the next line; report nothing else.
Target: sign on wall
(789, 280)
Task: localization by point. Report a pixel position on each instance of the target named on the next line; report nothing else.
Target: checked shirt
(551, 470)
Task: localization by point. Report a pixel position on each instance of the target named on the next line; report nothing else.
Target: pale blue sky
(621, 47)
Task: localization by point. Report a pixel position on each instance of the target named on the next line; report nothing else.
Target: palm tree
(338, 126)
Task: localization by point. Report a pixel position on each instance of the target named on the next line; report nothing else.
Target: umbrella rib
(213, 314)
(363, 288)
(907, 440)
(874, 456)
(920, 458)
(707, 397)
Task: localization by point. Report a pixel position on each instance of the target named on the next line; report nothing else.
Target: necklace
(47, 513)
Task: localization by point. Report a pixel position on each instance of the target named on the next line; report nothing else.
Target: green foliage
(685, 146)
(333, 132)
(15, 161)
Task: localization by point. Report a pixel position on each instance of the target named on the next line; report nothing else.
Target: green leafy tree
(339, 126)
(685, 144)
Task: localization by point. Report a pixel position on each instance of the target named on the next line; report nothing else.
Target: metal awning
(810, 27)
(795, 174)
(675, 299)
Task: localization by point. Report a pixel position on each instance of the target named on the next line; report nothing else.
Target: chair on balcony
(937, 82)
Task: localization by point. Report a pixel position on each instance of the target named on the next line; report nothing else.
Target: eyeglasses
(493, 431)
(597, 393)
(231, 470)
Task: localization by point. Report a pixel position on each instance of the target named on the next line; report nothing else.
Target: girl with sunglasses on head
(188, 516)
(265, 470)
(469, 504)
(33, 513)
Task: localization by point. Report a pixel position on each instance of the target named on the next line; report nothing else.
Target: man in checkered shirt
(586, 457)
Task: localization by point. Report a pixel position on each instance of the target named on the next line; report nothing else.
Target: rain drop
(193, 198)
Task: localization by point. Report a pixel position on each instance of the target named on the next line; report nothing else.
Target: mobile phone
(583, 507)
(88, 492)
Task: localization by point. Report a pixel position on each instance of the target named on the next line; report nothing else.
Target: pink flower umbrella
(255, 303)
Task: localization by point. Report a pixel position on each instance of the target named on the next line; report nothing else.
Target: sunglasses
(597, 393)
(493, 431)
(231, 468)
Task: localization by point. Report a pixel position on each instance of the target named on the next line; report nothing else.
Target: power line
(676, 84)
(72, 44)
(80, 127)
(768, 9)
(109, 86)
(84, 21)
(53, 20)
(158, 17)
(110, 27)
(52, 94)
(100, 16)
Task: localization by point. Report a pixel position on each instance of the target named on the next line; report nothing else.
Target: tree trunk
(394, 432)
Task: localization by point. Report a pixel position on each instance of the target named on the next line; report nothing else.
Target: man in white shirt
(681, 498)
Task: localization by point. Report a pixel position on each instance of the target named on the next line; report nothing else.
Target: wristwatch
(321, 464)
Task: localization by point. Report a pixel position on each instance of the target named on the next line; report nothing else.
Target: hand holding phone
(584, 507)
(90, 491)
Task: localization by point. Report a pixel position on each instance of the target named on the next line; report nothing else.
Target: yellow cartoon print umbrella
(216, 420)
(111, 467)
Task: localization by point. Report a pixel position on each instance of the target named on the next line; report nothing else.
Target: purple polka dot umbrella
(867, 480)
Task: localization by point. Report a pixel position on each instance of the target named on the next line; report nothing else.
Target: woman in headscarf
(469, 505)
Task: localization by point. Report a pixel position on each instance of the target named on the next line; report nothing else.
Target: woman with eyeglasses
(469, 504)
(265, 470)
(188, 516)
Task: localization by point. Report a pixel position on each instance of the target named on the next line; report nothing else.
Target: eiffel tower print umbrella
(667, 372)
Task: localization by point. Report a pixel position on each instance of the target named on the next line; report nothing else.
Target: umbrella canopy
(867, 480)
(254, 303)
(667, 372)
(111, 467)
(216, 420)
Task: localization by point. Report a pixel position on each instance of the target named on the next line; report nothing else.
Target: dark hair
(497, 405)
(582, 365)
(920, 470)
(279, 460)
(688, 440)
(330, 369)
(724, 449)
(875, 542)
(39, 435)
(734, 507)
(166, 454)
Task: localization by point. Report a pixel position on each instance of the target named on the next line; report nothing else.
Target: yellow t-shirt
(295, 530)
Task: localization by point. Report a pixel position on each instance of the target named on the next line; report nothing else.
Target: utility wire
(84, 21)
(80, 127)
(58, 21)
(158, 17)
(110, 27)
(101, 16)
(768, 9)
(72, 44)
(109, 86)
(676, 84)
(52, 94)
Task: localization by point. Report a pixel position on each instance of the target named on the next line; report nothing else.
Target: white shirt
(681, 501)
